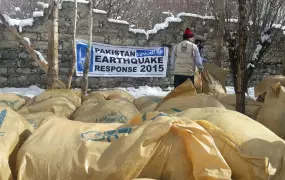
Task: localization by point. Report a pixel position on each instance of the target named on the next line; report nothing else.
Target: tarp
(113, 61)
(14, 130)
(62, 149)
(251, 150)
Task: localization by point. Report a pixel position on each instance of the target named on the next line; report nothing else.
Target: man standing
(185, 58)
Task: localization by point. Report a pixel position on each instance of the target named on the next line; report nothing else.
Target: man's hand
(201, 70)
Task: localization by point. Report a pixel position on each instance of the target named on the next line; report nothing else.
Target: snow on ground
(142, 91)
(30, 91)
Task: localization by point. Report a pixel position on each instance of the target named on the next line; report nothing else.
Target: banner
(120, 61)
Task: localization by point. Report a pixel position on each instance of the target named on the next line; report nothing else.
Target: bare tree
(84, 86)
(73, 47)
(242, 40)
(259, 29)
(52, 74)
(218, 9)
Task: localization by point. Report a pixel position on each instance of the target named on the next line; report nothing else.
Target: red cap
(188, 33)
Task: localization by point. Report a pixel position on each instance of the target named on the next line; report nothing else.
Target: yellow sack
(60, 102)
(147, 103)
(179, 104)
(72, 150)
(272, 113)
(251, 106)
(267, 83)
(186, 89)
(36, 119)
(198, 82)
(251, 150)
(12, 100)
(105, 111)
(14, 130)
(112, 95)
(140, 118)
(214, 79)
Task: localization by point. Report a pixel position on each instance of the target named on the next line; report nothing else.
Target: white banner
(121, 61)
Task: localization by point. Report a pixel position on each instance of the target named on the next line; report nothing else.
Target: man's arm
(173, 58)
(198, 59)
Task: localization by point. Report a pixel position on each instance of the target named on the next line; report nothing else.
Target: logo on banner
(150, 52)
(81, 57)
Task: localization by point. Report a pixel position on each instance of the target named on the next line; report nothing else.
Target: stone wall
(17, 69)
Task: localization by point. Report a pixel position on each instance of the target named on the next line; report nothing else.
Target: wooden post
(71, 72)
(242, 39)
(84, 86)
(52, 74)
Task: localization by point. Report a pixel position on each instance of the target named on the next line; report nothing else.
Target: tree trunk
(52, 74)
(242, 39)
(220, 6)
(84, 86)
(73, 47)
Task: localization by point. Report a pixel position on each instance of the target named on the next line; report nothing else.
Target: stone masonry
(17, 69)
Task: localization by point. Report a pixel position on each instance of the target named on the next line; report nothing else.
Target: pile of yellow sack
(107, 107)
(111, 135)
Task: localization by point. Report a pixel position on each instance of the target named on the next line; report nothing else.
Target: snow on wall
(18, 22)
(98, 11)
(44, 5)
(38, 13)
(118, 21)
(163, 25)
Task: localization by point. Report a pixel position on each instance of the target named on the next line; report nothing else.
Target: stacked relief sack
(60, 102)
(36, 119)
(251, 150)
(251, 106)
(272, 112)
(107, 107)
(185, 97)
(13, 101)
(214, 79)
(261, 89)
(147, 103)
(14, 130)
(62, 149)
